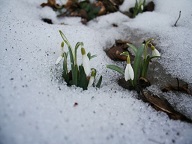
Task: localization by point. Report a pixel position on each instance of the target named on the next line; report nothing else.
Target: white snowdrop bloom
(61, 57)
(86, 62)
(92, 78)
(155, 52)
(129, 73)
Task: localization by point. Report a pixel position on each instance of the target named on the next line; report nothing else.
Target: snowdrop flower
(129, 73)
(155, 52)
(61, 57)
(92, 78)
(86, 64)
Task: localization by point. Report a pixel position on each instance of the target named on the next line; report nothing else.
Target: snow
(37, 107)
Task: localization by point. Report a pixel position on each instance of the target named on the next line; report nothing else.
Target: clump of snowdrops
(79, 75)
(139, 7)
(138, 67)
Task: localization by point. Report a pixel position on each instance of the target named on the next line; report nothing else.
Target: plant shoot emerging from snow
(140, 63)
(83, 75)
(139, 7)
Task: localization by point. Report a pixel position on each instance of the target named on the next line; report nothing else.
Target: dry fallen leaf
(110, 6)
(162, 105)
(102, 10)
(51, 3)
(149, 7)
(184, 88)
(115, 51)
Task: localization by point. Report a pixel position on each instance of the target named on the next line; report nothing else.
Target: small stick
(175, 25)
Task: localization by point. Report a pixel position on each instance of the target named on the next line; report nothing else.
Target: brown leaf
(51, 3)
(149, 7)
(162, 105)
(184, 88)
(115, 51)
(110, 6)
(102, 10)
(122, 42)
(71, 4)
(117, 2)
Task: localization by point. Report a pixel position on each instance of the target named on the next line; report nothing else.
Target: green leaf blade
(74, 74)
(134, 48)
(98, 85)
(82, 82)
(137, 64)
(116, 68)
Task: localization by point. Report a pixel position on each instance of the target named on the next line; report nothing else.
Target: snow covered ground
(36, 107)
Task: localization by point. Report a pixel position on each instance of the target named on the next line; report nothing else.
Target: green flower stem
(99, 82)
(76, 47)
(146, 47)
(69, 47)
(145, 68)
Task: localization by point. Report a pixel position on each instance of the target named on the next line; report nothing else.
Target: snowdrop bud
(86, 64)
(62, 44)
(61, 55)
(58, 59)
(93, 72)
(155, 52)
(83, 52)
(92, 78)
(129, 73)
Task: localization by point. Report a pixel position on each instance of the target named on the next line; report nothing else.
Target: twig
(175, 25)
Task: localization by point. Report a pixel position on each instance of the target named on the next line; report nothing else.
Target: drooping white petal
(155, 52)
(129, 73)
(58, 59)
(126, 73)
(86, 64)
(91, 80)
